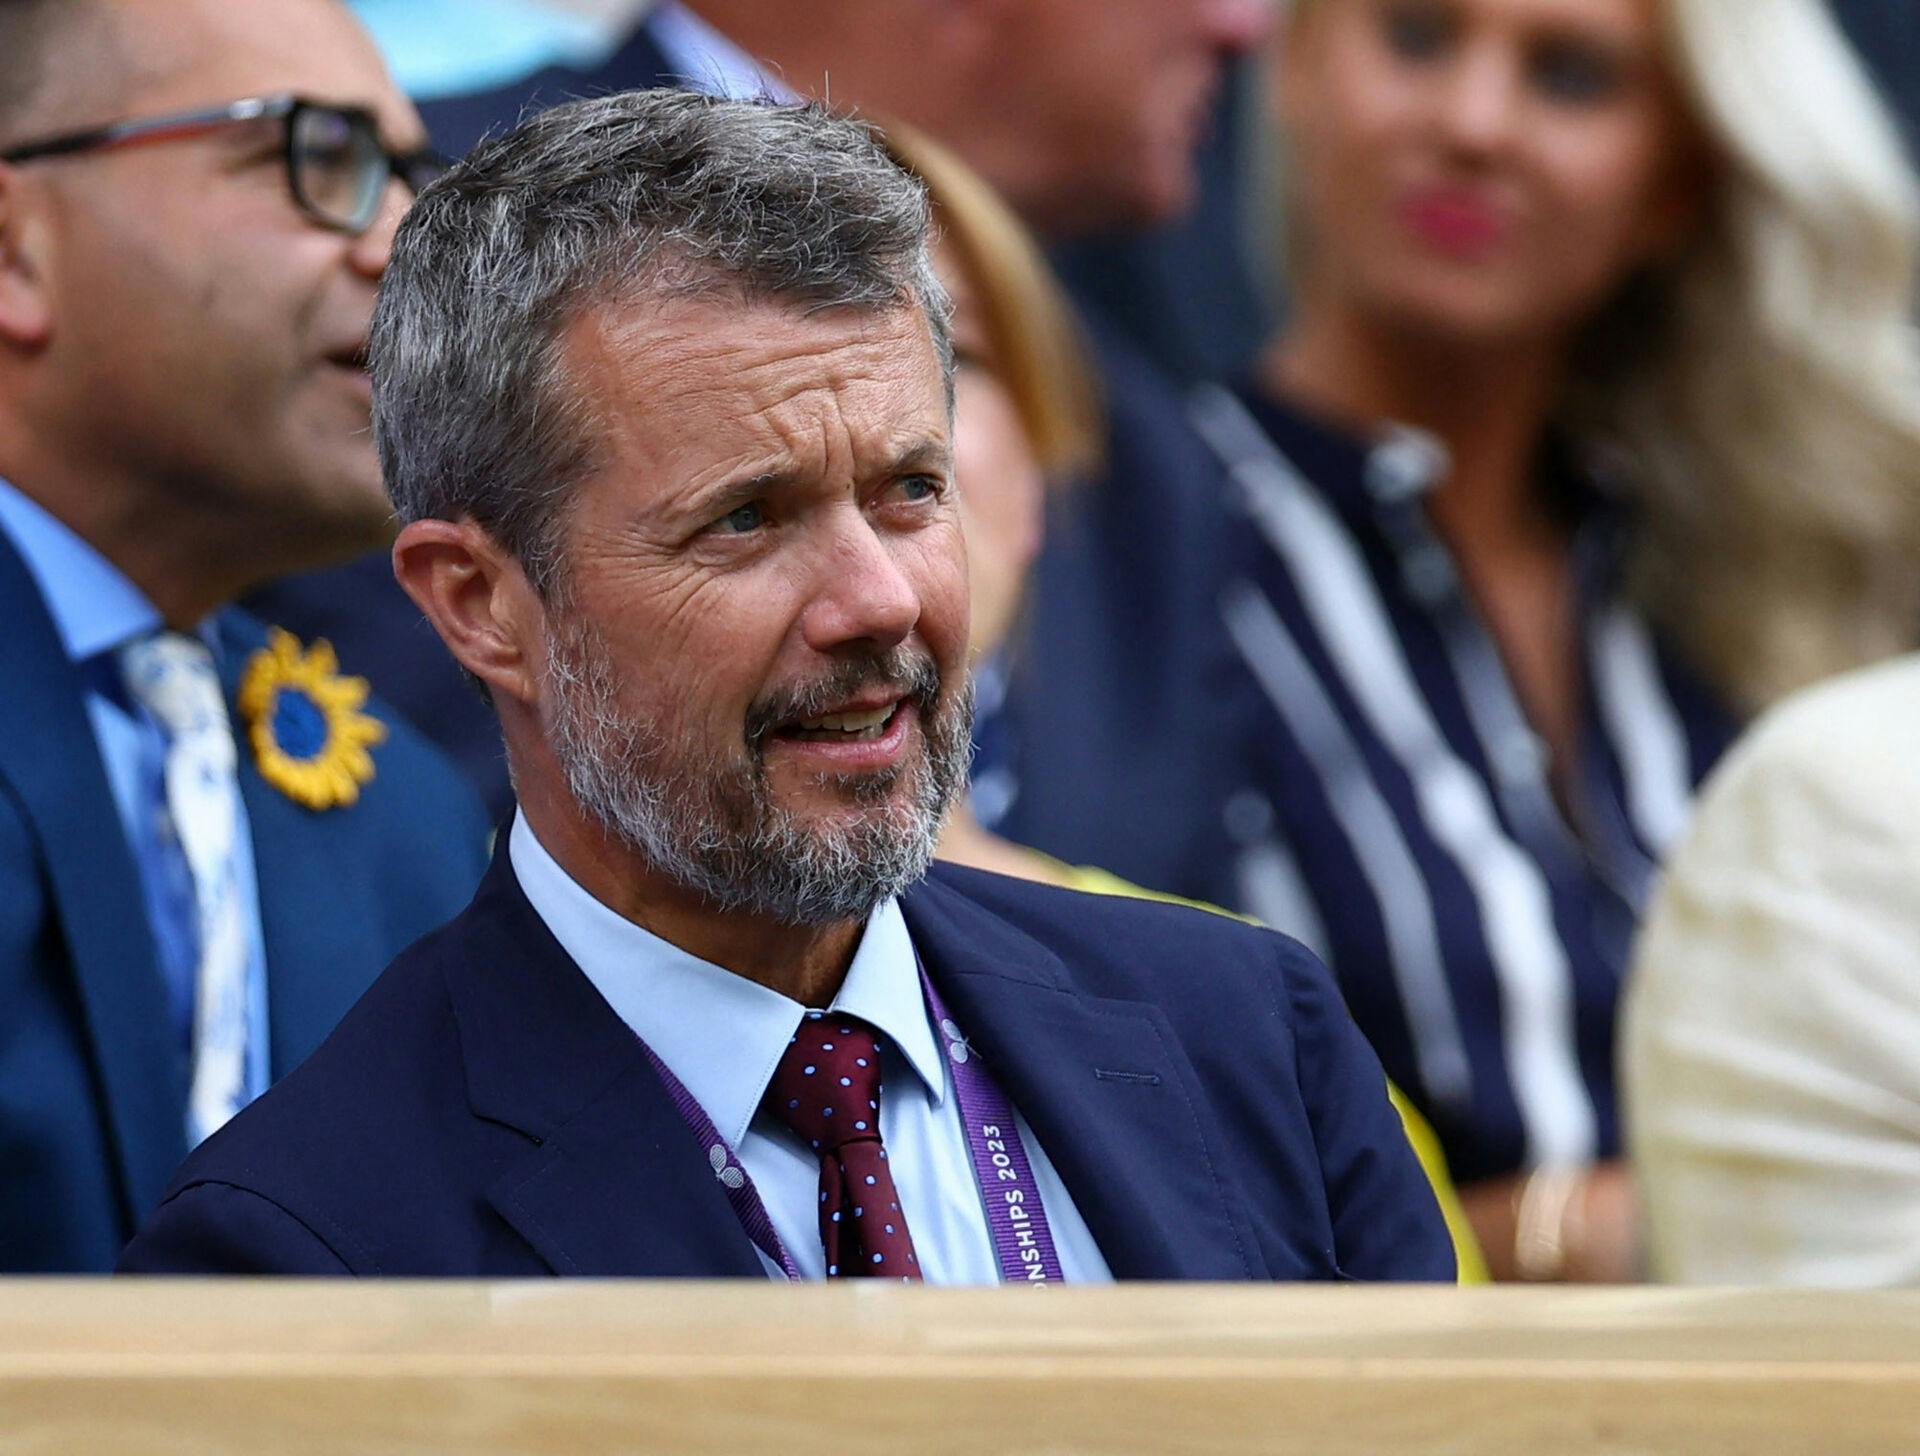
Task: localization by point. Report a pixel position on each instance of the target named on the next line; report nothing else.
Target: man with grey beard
(715, 828)
(663, 393)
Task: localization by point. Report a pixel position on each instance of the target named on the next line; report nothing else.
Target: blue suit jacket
(482, 1112)
(93, 1087)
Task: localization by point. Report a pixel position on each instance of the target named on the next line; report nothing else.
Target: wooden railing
(575, 1367)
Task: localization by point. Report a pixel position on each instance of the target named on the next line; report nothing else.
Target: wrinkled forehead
(698, 384)
(180, 54)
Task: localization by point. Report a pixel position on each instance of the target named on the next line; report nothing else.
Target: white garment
(1771, 1045)
(722, 1036)
(174, 678)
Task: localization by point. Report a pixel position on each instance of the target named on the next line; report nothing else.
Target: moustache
(914, 676)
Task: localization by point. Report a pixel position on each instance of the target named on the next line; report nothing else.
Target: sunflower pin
(309, 737)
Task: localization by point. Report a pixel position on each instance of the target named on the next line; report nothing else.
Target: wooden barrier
(574, 1367)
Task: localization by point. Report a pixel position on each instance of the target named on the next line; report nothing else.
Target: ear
(478, 599)
(26, 249)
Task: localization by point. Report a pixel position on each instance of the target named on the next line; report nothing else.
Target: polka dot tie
(827, 1089)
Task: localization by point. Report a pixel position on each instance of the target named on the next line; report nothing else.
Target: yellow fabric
(1426, 1147)
(1420, 1136)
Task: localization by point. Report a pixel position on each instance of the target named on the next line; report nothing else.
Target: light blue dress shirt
(96, 610)
(722, 1035)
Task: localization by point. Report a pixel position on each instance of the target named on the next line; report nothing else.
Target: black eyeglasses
(337, 166)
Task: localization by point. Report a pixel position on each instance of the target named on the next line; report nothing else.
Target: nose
(863, 597)
(373, 249)
(1478, 102)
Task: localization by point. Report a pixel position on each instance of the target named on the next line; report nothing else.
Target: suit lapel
(49, 755)
(616, 1184)
(1105, 1087)
(621, 1190)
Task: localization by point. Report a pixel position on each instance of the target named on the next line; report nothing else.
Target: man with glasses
(209, 839)
(338, 169)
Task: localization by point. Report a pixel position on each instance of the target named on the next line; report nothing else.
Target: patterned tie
(827, 1089)
(173, 676)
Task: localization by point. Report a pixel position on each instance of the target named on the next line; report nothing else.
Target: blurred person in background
(210, 841)
(1767, 1042)
(1027, 421)
(1595, 427)
(1184, 289)
(1083, 114)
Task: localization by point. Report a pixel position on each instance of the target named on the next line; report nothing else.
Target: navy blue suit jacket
(483, 1112)
(93, 1086)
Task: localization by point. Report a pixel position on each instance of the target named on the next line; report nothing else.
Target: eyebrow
(922, 455)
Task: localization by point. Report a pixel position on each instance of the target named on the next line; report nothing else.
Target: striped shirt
(1395, 809)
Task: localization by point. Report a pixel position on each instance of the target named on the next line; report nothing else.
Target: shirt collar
(1395, 465)
(707, 61)
(94, 606)
(721, 1034)
(1380, 469)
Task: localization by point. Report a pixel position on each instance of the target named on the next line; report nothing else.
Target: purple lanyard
(1021, 1236)
(727, 1167)
(1022, 1240)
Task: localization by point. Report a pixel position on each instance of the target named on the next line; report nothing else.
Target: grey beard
(712, 826)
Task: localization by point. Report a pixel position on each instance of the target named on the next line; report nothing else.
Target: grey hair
(597, 203)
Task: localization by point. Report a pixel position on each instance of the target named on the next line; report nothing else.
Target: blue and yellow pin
(310, 739)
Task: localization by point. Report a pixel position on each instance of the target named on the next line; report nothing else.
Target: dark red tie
(827, 1089)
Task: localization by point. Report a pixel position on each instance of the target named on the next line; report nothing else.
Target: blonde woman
(1595, 427)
